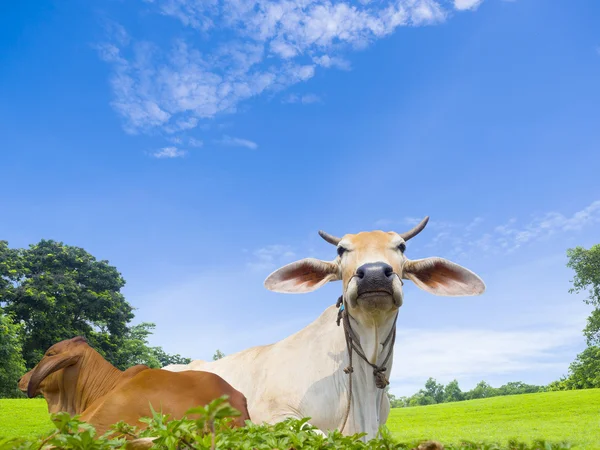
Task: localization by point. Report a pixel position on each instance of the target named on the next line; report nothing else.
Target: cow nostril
(360, 272)
(389, 271)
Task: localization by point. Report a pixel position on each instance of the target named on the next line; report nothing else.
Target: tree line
(51, 291)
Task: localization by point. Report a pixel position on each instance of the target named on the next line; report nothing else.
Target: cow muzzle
(375, 283)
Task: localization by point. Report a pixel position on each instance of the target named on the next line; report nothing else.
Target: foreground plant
(211, 430)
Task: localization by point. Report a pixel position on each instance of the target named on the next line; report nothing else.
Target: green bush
(211, 431)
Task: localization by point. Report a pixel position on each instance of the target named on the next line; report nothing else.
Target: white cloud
(271, 256)
(305, 99)
(169, 152)
(465, 238)
(193, 142)
(256, 46)
(462, 5)
(237, 142)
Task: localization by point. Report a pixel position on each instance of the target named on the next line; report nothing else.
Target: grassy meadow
(572, 416)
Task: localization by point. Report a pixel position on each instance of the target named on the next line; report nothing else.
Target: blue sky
(198, 145)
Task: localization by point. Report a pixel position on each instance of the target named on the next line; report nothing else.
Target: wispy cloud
(237, 142)
(462, 5)
(271, 256)
(169, 152)
(463, 238)
(257, 46)
(193, 142)
(305, 99)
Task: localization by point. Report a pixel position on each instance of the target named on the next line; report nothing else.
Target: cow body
(76, 379)
(167, 392)
(303, 376)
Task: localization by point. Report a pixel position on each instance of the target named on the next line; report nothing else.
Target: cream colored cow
(335, 370)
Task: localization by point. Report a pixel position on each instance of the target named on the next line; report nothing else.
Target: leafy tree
(420, 399)
(434, 390)
(586, 264)
(584, 372)
(518, 387)
(165, 358)
(58, 291)
(452, 392)
(482, 390)
(218, 355)
(12, 366)
(136, 350)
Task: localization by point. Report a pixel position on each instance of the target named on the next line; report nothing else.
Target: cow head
(371, 266)
(58, 368)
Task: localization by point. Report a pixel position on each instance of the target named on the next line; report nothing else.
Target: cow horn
(329, 238)
(416, 230)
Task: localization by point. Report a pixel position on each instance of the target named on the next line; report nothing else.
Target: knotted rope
(353, 343)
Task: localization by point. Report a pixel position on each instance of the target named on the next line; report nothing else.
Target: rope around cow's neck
(353, 343)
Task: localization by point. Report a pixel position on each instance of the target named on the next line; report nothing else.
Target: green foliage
(435, 392)
(209, 430)
(586, 264)
(136, 350)
(452, 392)
(218, 355)
(584, 372)
(52, 292)
(12, 365)
(58, 291)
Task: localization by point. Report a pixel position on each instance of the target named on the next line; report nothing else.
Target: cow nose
(375, 270)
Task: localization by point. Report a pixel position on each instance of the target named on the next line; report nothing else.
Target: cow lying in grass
(74, 378)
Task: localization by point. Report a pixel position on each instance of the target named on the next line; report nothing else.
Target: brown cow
(75, 378)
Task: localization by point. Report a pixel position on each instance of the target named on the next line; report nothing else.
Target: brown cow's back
(171, 393)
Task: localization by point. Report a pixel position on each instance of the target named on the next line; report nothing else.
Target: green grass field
(573, 416)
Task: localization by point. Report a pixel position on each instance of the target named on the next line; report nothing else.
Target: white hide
(303, 376)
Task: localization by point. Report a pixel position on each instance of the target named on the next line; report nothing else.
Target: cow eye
(340, 251)
(402, 247)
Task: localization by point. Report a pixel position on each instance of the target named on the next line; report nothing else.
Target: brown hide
(73, 377)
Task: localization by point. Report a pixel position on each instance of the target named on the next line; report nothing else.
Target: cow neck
(353, 345)
(96, 378)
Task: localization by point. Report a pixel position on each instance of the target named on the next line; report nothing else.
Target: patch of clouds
(466, 238)
(193, 142)
(463, 5)
(271, 257)
(237, 142)
(305, 99)
(241, 49)
(169, 152)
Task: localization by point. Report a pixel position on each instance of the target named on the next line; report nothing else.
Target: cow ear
(48, 365)
(439, 276)
(302, 276)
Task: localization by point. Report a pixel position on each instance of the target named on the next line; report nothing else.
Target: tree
(482, 390)
(586, 264)
(58, 292)
(165, 358)
(518, 387)
(218, 355)
(434, 390)
(584, 372)
(136, 350)
(452, 392)
(13, 366)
